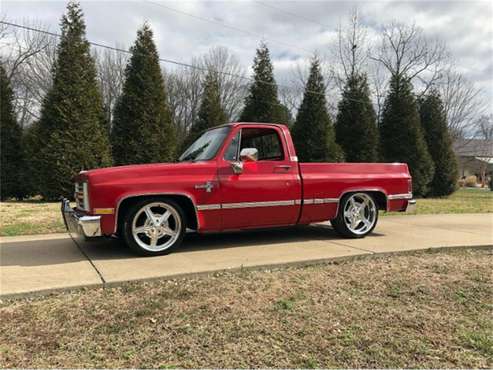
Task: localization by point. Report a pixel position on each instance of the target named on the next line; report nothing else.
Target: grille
(81, 198)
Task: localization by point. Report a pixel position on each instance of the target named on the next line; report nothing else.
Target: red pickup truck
(233, 177)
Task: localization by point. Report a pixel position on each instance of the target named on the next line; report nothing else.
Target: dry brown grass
(421, 310)
(26, 218)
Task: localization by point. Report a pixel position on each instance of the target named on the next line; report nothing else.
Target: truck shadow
(115, 249)
(61, 251)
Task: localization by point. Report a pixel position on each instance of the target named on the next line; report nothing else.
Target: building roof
(473, 148)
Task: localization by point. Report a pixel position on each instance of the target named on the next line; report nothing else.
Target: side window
(231, 153)
(265, 140)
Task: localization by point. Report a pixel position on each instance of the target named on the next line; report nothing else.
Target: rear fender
(379, 194)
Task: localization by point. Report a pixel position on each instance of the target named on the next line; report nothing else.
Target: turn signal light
(104, 211)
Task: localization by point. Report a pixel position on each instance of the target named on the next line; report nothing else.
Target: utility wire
(291, 14)
(226, 25)
(164, 60)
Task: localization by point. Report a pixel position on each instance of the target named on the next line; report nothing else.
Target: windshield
(206, 146)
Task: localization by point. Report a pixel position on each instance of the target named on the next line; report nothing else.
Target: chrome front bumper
(78, 224)
(411, 206)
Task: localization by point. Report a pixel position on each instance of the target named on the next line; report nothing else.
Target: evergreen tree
(356, 126)
(285, 115)
(31, 174)
(211, 113)
(142, 130)
(72, 134)
(11, 158)
(313, 132)
(261, 103)
(434, 122)
(401, 135)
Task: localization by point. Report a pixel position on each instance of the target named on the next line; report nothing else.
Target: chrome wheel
(360, 213)
(156, 226)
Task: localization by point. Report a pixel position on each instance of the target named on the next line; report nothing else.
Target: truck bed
(324, 184)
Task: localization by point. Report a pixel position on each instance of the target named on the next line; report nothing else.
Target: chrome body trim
(325, 200)
(117, 208)
(208, 207)
(258, 204)
(400, 196)
(279, 203)
(77, 224)
(312, 201)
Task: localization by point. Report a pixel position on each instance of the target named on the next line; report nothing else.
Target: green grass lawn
(33, 217)
(462, 201)
(30, 217)
(425, 310)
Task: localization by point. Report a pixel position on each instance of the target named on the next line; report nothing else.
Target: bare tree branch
(28, 58)
(184, 87)
(406, 52)
(352, 46)
(485, 128)
(111, 74)
(232, 89)
(462, 104)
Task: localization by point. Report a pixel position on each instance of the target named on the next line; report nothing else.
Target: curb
(33, 238)
(192, 275)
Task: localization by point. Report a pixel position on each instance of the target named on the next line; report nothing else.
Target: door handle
(284, 167)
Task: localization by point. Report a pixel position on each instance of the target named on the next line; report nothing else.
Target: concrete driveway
(44, 263)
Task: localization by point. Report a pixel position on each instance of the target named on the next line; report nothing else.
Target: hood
(110, 174)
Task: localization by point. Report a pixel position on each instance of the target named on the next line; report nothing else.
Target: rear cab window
(266, 140)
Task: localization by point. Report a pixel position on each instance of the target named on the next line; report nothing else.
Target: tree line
(80, 128)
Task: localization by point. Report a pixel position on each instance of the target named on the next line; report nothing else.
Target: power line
(226, 25)
(291, 14)
(164, 60)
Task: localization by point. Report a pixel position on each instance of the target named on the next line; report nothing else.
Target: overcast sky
(292, 29)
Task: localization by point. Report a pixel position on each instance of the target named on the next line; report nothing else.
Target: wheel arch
(379, 195)
(185, 201)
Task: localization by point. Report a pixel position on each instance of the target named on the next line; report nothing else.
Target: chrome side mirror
(237, 167)
(249, 155)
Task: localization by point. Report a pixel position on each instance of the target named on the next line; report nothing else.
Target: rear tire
(357, 215)
(154, 226)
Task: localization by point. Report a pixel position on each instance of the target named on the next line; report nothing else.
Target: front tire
(154, 227)
(357, 215)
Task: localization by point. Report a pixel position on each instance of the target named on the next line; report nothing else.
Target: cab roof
(235, 124)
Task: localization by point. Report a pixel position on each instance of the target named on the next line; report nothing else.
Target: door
(266, 193)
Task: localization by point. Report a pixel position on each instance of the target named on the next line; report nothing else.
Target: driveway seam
(353, 247)
(100, 274)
